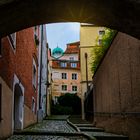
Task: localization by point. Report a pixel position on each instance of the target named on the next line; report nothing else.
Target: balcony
(66, 64)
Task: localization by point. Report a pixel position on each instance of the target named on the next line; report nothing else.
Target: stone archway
(18, 108)
(120, 15)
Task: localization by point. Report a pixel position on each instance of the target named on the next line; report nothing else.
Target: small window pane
(64, 87)
(74, 76)
(71, 58)
(102, 32)
(63, 64)
(64, 75)
(74, 88)
(73, 65)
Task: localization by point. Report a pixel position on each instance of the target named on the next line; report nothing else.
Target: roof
(72, 48)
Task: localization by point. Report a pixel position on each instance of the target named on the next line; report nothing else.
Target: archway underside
(120, 15)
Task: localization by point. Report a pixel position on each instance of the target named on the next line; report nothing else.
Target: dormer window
(71, 58)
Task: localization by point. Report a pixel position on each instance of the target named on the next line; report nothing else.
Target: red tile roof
(72, 48)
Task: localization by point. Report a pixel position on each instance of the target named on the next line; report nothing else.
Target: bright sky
(62, 33)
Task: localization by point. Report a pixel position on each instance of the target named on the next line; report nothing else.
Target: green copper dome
(57, 52)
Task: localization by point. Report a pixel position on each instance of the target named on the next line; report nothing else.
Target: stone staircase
(94, 132)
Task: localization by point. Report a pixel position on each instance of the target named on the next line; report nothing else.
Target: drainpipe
(40, 106)
(86, 70)
(47, 79)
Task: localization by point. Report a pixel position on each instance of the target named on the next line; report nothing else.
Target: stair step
(84, 125)
(91, 129)
(106, 136)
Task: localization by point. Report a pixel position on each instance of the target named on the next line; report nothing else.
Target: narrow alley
(63, 127)
(69, 70)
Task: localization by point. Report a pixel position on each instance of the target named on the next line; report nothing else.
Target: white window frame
(12, 40)
(71, 58)
(63, 64)
(34, 74)
(73, 65)
(100, 42)
(64, 75)
(101, 32)
(33, 104)
(73, 86)
(74, 77)
(66, 87)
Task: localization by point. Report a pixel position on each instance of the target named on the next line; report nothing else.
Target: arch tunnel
(120, 15)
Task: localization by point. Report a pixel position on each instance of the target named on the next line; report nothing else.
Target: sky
(60, 34)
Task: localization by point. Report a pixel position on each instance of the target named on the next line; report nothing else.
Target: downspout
(86, 70)
(40, 106)
(47, 78)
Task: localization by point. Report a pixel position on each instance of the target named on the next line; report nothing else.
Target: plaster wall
(88, 40)
(67, 57)
(6, 122)
(116, 88)
(58, 81)
(29, 116)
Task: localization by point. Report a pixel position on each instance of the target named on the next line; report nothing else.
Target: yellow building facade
(90, 35)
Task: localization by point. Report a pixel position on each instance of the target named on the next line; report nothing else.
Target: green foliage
(61, 110)
(99, 50)
(68, 104)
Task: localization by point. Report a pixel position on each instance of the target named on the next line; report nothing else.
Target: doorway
(18, 108)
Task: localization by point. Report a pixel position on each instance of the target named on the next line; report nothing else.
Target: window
(63, 64)
(73, 65)
(64, 75)
(74, 76)
(100, 42)
(36, 37)
(74, 88)
(64, 87)
(34, 78)
(71, 58)
(12, 38)
(101, 32)
(33, 104)
(0, 100)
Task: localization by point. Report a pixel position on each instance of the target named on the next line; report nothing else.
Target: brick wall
(19, 62)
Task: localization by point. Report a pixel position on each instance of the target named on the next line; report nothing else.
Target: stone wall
(117, 88)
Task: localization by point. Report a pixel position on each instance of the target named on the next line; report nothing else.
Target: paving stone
(52, 126)
(42, 137)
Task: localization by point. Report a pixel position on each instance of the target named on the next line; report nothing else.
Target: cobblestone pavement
(43, 137)
(52, 126)
(49, 126)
